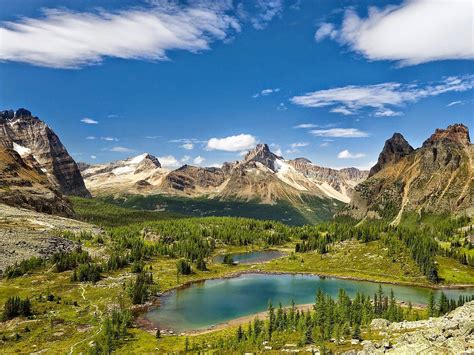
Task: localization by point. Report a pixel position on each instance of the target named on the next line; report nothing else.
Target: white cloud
(169, 161)
(306, 126)
(453, 103)
(417, 31)
(345, 154)
(266, 92)
(282, 107)
(88, 120)
(339, 133)
(93, 157)
(232, 143)
(188, 146)
(109, 139)
(91, 138)
(349, 99)
(266, 11)
(324, 144)
(325, 30)
(298, 145)
(185, 158)
(68, 39)
(121, 150)
(199, 160)
(152, 137)
(386, 112)
(216, 165)
(342, 110)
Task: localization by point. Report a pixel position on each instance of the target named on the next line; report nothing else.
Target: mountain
(394, 149)
(41, 148)
(24, 186)
(138, 175)
(261, 176)
(437, 177)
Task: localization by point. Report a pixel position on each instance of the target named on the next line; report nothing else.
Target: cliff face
(394, 149)
(436, 178)
(40, 147)
(27, 187)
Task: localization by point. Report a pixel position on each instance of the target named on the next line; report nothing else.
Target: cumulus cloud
(93, 157)
(119, 149)
(185, 158)
(349, 99)
(169, 161)
(415, 32)
(386, 112)
(68, 39)
(232, 143)
(88, 120)
(339, 133)
(346, 154)
(199, 160)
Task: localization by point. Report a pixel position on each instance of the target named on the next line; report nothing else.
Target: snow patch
(23, 151)
(138, 159)
(287, 174)
(123, 170)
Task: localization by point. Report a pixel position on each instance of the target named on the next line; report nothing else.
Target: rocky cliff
(40, 147)
(437, 178)
(394, 149)
(28, 187)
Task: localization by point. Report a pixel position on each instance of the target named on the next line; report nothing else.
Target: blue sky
(200, 82)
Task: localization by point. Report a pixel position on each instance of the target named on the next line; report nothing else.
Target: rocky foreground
(25, 234)
(449, 334)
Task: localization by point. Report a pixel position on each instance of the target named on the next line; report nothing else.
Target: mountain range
(37, 171)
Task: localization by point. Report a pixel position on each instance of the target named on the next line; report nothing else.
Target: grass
(453, 272)
(355, 260)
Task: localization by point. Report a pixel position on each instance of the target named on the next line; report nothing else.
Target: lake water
(211, 302)
(252, 257)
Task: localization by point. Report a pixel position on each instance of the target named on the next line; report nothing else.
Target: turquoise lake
(252, 257)
(207, 303)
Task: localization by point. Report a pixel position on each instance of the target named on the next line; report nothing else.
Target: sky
(200, 82)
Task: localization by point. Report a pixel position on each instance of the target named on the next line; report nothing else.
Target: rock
(40, 147)
(379, 323)
(354, 341)
(394, 149)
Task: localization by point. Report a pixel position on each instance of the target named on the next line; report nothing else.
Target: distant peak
(393, 150)
(303, 160)
(22, 112)
(456, 133)
(145, 158)
(262, 154)
(10, 114)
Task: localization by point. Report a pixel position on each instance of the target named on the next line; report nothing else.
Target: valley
(159, 260)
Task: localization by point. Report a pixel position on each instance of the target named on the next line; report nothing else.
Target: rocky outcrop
(25, 234)
(436, 178)
(261, 154)
(191, 179)
(29, 187)
(449, 334)
(394, 149)
(40, 147)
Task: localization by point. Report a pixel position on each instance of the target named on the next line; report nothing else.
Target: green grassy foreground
(69, 316)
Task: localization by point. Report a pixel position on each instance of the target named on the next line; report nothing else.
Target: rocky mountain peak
(456, 133)
(28, 135)
(262, 154)
(302, 161)
(394, 149)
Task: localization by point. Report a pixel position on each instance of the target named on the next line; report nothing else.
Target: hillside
(435, 178)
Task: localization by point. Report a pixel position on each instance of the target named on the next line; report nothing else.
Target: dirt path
(83, 292)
